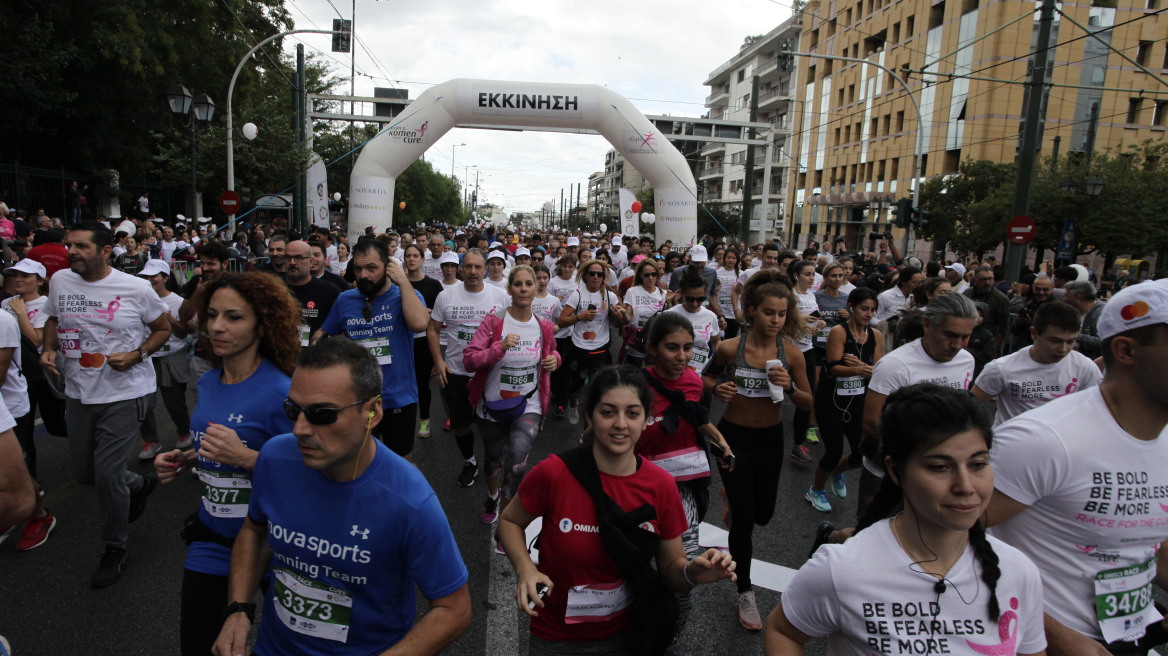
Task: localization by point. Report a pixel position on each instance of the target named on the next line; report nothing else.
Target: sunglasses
(315, 416)
(594, 274)
(367, 310)
(650, 274)
(695, 299)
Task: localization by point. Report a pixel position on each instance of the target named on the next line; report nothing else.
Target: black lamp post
(197, 110)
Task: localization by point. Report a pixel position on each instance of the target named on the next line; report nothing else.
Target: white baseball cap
(495, 254)
(957, 267)
(698, 254)
(522, 251)
(27, 266)
(617, 241)
(448, 258)
(1134, 306)
(154, 267)
(573, 241)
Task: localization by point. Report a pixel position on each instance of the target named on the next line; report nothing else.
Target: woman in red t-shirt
(670, 439)
(586, 599)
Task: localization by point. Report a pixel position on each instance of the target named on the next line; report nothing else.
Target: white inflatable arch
(472, 103)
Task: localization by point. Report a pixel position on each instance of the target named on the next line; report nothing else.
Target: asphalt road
(48, 609)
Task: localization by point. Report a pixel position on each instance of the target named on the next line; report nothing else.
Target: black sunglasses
(315, 416)
(597, 274)
(695, 299)
(367, 310)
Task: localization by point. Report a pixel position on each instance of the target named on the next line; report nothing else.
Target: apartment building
(722, 174)
(617, 173)
(962, 60)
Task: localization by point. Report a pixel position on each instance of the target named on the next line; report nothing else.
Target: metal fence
(30, 189)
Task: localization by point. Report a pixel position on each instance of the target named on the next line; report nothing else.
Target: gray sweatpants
(101, 438)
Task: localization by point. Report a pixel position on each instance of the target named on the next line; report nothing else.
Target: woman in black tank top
(852, 350)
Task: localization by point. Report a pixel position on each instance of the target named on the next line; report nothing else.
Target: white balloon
(648, 218)
(250, 131)
(337, 196)
(604, 227)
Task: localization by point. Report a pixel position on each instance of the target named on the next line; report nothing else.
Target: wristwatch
(240, 607)
(144, 354)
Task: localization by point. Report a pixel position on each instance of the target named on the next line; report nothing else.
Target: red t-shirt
(54, 256)
(654, 440)
(570, 551)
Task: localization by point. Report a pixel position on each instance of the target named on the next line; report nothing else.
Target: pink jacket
(485, 350)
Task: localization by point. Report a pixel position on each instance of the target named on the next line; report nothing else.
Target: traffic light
(342, 35)
(786, 59)
(920, 217)
(902, 213)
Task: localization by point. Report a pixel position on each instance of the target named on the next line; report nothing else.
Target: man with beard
(315, 295)
(103, 326)
(382, 314)
(276, 246)
(213, 257)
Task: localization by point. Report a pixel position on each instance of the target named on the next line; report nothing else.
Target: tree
(429, 197)
(965, 212)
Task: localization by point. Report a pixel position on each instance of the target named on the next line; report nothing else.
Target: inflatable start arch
(588, 108)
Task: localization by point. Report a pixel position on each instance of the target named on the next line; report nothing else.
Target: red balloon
(636, 206)
(401, 205)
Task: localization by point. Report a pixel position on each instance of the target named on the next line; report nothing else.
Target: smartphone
(720, 453)
(541, 590)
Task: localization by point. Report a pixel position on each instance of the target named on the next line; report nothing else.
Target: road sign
(1021, 229)
(229, 202)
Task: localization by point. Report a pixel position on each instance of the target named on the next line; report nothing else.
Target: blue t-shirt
(254, 409)
(387, 337)
(346, 556)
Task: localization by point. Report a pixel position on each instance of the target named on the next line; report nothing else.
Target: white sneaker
(184, 442)
(748, 615)
(149, 450)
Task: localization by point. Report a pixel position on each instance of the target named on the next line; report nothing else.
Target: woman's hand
(586, 315)
(510, 341)
(779, 376)
(725, 391)
(525, 592)
(169, 465)
(844, 315)
(551, 363)
(711, 567)
(223, 445)
(18, 306)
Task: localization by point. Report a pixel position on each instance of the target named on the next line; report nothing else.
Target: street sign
(229, 202)
(1021, 229)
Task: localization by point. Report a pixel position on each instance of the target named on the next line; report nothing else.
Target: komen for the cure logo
(1007, 633)
(109, 311)
(1134, 311)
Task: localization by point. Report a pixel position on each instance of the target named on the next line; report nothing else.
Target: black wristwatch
(240, 607)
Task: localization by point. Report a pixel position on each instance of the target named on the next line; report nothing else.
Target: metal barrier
(183, 270)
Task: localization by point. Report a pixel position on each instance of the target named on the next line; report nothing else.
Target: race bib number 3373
(311, 607)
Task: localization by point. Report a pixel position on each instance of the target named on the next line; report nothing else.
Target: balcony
(773, 97)
(710, 196)
(712, 170)
(712, 147)
(717, 93)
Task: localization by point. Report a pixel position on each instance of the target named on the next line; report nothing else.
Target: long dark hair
(609, 378)
(919, 417)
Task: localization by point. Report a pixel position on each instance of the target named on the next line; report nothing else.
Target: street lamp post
(196, 110)
(452, 158)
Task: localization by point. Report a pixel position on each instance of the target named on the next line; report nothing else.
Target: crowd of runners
(1002, 440)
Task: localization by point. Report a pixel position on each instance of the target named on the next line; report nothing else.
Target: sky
(657, 53)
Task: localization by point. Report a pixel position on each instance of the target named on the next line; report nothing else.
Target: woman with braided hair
(920, 576)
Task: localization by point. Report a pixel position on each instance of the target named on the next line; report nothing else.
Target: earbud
(371, 414)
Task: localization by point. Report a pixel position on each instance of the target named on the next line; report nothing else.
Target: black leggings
(396, 429)
(802, 418)
(838, 417)
(423, 364)
(53, 413)
(562, 376)
(587, 363)
(201, 611)
(752, 488)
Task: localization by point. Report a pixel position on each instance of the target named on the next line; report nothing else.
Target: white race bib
(225, 494)
(379, 347)
(1123, 601)
(596, 603)
(311, 607)
(684, 464)
(850, 386)
(752, 382)
(305, 334)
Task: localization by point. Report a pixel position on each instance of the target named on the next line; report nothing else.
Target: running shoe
(821, 535)
(149, 450)
(498, 545)
(813, 435)
(748, 615)
(446, 425)
(818, 500)
(113, 563)
(561, 412)
(138, 499)
(839, 485)
(573, 416)
(470, 472)
(424, 428)
(800, 453)
(36, 531)
(184, 441)
(490, 510)
(725, 509)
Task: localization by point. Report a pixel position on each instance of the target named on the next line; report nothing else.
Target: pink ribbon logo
(110, 311)
(1007, 633)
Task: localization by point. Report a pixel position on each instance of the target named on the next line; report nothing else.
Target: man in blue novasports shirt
(351, 527)
(382, 314)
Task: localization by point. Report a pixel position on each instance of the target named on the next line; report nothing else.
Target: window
(896, 33)
(952, 161)
(1143, 53)
(887, 124)
(900, 121)
(851, 93)
(968, 6)
(909, 26)
(848, 16)
(838, 134)
(841, 97)
(1160, 113)
(937, 15)
(744, 102)
(847, 134)
(880, 169)
(1133, 110)
(875, 43)
(875, 129)
(1151, 4)
(894, 169)
(814, 39)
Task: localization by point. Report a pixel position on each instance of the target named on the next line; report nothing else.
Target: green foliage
(708, 225)
(429, 197)
(969, 210)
